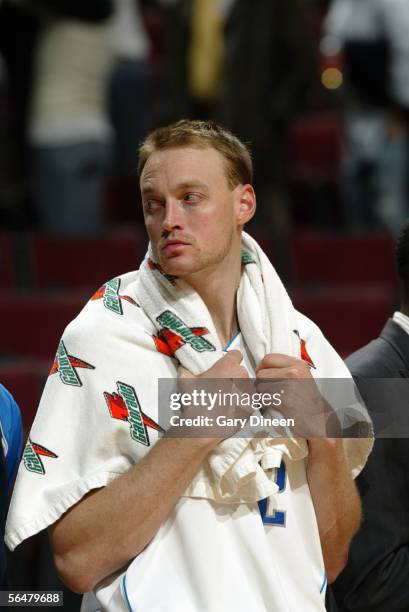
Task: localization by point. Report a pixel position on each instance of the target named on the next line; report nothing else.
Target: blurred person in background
(3, 512)
(129, 84)
(12, 185)
(269, 64)
(248, 65)
(195, 47)
(17, 36)
(373, 37)
(64, 106)
(11, 440)
(129, 100)
(376, 578)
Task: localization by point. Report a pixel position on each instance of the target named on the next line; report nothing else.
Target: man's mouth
(171, 244)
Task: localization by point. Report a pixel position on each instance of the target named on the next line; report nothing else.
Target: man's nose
(173, 215)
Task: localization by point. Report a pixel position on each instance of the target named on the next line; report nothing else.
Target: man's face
(191, 213)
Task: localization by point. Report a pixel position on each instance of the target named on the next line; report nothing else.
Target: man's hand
(233, 380)
(301, 398)
(277, 365)
(227, 366)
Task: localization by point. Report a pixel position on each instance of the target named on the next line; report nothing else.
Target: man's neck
(217, 288)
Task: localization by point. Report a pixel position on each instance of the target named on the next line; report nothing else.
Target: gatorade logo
(66, 365)
(111, 298)
(184, 335)
(167, 342)
(32, 457)
(124, 406)
(246, 258)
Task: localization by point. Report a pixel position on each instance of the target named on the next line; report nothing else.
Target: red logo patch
(42, 450)
(74, 361)
(32, 457)
(303, 350)
(167, 342)
(119, 410)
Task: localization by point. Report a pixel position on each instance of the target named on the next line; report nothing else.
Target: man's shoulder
(112, 307)
(11, 430)
(10, 415)
(369, 360)
(379, 358)
(317, 350)
(7, 401)
(306, 326)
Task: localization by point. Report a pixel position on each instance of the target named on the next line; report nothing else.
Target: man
(3, 502)
(177, 526)
(58, 132)
(377, 575)
(59, 74)
(11, 428)
(11, 439)
(371, 34)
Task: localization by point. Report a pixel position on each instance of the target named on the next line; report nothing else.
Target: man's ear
(246, 204)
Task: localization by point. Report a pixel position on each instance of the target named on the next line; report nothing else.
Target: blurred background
(318, 89)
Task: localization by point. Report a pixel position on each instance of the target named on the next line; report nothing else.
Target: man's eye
(191, 197)
(151, 205)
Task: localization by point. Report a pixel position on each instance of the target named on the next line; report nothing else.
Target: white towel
(99, 410)
(267, 321)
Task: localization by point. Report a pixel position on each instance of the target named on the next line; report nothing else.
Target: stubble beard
(202, 261)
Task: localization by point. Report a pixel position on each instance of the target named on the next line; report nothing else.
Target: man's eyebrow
(191, 184)
(147, 189)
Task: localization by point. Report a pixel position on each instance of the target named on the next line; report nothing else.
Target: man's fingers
(227, 366)
(234, 360)
(295, 371)
(184, 373)
(278, 373)
(277, 360)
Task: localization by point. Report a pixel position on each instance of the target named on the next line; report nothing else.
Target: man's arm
(333, 492)
(336, 501)
(112, 525)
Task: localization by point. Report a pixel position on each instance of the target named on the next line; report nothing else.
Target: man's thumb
(235, 355)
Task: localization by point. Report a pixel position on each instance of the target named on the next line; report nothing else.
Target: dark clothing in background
(368, 66)
(330, 602)
(376, 578)
(93, 12)
(269, 63)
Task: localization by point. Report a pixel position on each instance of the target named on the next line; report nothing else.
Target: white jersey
(206, 557)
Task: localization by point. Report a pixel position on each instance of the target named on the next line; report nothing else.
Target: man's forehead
(183, 165)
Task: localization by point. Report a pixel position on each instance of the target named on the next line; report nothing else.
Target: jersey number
(274, 517)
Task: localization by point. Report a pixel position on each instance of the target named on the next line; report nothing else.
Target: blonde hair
(201, 134)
